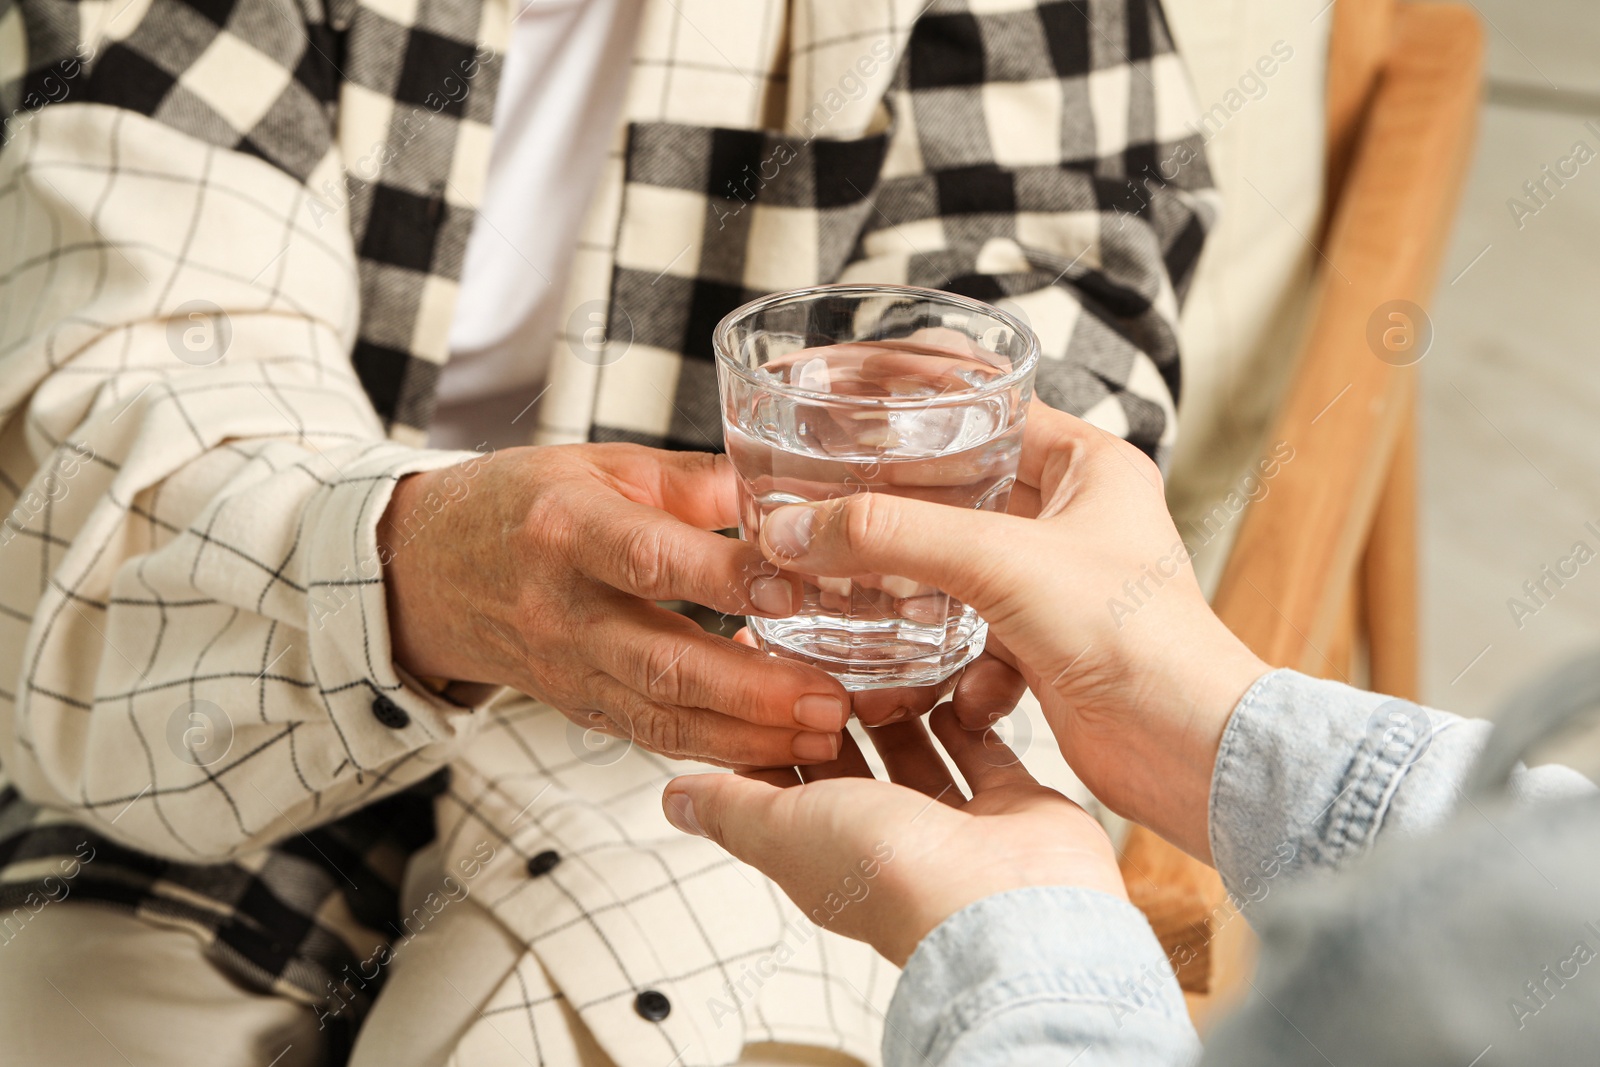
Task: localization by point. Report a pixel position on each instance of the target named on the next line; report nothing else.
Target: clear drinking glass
(842, 389)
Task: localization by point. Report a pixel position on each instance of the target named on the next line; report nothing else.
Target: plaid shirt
(233, 231)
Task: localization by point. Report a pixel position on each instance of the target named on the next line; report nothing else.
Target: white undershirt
(561, 86)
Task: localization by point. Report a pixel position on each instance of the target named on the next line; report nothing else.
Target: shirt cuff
(1308, 772)
(1060, 967)
(380, 711)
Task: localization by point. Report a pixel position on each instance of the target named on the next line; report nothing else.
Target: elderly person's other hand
(886, 862)
(1088, 592)
(543, 577)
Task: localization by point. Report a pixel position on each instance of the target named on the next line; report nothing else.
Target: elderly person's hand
(543, 576)
(886, 862)
(1088, 592)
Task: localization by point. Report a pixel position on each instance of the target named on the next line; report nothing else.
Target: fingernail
(787, 532)
(816, 748)
(980, 719)
(772, 596)
(889, 719)
(680, 813)
(837, 586)
(821, 712)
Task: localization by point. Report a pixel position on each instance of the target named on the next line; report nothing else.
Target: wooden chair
(1324, 568)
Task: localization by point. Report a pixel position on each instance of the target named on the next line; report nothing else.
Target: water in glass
(908, 417)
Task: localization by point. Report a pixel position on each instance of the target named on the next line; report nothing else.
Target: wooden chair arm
(1295, 560)
(1298, 547)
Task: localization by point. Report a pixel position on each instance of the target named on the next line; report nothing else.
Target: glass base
(869, 660)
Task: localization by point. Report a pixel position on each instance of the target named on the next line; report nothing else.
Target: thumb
(735, 812)
(972, 555)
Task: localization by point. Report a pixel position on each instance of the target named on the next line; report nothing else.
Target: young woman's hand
(886, 862)
(1088, 592)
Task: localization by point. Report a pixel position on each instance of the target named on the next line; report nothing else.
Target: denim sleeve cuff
(1309, 771)
(1040, 975)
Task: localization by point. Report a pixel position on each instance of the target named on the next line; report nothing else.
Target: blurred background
(1483, 575)
(1510, 393)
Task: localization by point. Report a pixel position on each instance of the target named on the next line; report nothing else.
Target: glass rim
(1020, 368)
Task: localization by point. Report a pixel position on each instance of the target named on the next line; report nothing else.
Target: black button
(543, 863)
(652, 1005)
(389, 713)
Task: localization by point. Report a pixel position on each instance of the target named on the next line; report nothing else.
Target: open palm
(886, 862)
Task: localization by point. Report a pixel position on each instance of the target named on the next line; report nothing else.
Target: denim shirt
(1308, 775)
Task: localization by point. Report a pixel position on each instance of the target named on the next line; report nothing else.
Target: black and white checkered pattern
(292, 922)
(191, 523)
(1030, 153)
(182, 532)
(381, 108)
(618, 884)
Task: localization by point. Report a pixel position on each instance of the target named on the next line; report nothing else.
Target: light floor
(1511, 388)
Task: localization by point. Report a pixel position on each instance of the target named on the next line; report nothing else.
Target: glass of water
(842, 389)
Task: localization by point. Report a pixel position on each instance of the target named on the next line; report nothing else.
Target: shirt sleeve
(1040, 976)
(194, 650)
(1311, 772)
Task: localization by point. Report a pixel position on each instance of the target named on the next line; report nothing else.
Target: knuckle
(699, 462)
(662, 730)
(665, 673)
(595, 719)
(867, 519)
(643, 565)
(587, 684)
(1128, 452)
(708, 813)
(609, 454)
(551, 518)
(548, 532)
(1141, 460)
